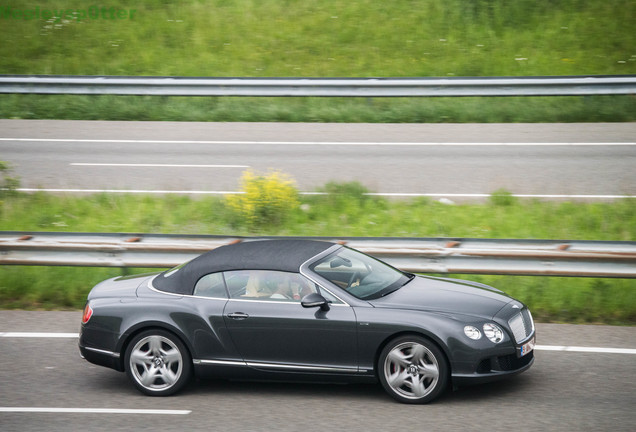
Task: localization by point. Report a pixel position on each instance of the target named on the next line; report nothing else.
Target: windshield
(360, 275)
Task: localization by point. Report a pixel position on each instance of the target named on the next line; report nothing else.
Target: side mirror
(315, 300)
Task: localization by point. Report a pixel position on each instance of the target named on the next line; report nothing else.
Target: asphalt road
(438, 159)
(563, 391)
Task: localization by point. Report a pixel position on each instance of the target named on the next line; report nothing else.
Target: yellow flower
(264, 199)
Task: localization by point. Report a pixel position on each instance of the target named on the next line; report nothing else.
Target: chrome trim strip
(276, 366)
(304, 266)
(152, 287)
(529, 317)
(99, 351)
(278, 302)
(219, 362)
(523, 342)
(299, 367)
(205, 297)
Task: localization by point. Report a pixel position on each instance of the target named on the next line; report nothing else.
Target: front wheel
(413, 370)
(158, 363)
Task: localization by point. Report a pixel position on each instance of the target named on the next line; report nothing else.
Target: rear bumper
(90, 338)
(101, 357)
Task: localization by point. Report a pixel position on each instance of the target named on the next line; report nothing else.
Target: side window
(236, 282)
(211, 285)
(268, 285)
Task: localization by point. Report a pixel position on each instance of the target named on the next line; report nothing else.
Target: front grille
(512, 362)
(521, 325)
(484, 366)
(518, 327)
(505, 363)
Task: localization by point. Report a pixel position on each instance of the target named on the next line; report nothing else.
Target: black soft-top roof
(283, 255)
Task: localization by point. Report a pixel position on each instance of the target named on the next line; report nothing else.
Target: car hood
(123, 286)
(453, 296)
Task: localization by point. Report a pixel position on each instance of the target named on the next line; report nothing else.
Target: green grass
(338, 215)
(344, 212)
(332, 110)
(327, 38)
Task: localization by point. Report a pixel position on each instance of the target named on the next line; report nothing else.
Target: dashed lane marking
(92, 411)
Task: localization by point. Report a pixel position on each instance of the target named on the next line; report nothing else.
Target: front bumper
(504, 360)
(495, 368)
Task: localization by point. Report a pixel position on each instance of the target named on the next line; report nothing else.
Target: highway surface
(457, 161)
(564, 391)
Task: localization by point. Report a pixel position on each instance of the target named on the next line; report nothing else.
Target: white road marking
(385, 194)
(484, 195)
(156, 165)
(320, 143)
(37, 335)
(537, 347)
(586, 349)
(131, 191)
(92, 410)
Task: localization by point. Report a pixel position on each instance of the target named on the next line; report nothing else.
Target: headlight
(472, 332)
(493, 332)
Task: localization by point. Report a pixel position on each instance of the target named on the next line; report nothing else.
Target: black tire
(157, 363)
(413, 370)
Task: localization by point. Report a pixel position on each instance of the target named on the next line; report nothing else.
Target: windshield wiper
(391, 291)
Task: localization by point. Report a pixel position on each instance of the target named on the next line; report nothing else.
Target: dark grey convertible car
(304, 310)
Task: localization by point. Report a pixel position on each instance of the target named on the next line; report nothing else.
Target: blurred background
(320, 38)
(325, 38)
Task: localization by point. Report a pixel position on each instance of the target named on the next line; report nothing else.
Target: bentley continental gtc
(303, 310)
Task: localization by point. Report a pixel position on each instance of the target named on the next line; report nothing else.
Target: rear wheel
(158, 363)
(413, 370)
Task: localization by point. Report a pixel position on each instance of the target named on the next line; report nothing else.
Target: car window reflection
(211, 285)
(268, 285)
(360, 275)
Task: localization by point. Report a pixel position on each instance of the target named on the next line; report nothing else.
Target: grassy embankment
(551, 298)
(327, 38)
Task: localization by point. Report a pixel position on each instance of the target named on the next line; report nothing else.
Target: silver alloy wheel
(411, 370)
(156, 363)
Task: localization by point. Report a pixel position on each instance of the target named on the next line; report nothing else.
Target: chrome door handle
(238, 315)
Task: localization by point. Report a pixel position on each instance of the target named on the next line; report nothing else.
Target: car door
(271, 329)
(212, 342)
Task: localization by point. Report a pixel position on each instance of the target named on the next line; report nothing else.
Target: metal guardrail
(350, 87)
(422, 255)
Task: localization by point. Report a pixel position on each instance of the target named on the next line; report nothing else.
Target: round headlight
(493, 332)
(472, 332)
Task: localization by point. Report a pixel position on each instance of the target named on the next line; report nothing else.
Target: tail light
(88, 313)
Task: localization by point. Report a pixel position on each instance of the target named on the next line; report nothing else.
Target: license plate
(526, 347)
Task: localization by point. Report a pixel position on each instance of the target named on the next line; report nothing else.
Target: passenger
(254, 287)
(283, 288)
